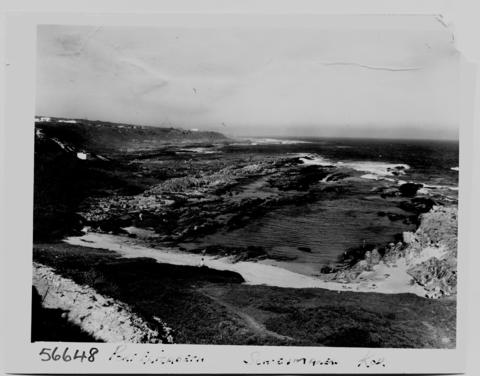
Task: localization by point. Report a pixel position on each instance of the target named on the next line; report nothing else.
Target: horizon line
(258, 136)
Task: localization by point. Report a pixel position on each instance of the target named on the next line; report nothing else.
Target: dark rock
(327, 269)
(336, 177)
(395, 217)
(409, 189)
(305, 249)
(412, 219)
(299, 179)
(354, 254)
(282, 257)
(255, 251)
(388, 192)
(334, 189)
(417, 205)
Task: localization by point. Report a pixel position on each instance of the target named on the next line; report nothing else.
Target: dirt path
(253, 324)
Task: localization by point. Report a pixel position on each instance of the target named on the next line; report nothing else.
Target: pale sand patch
(383, 279)
(390, 279)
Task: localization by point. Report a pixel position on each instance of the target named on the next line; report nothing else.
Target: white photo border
(22, 356)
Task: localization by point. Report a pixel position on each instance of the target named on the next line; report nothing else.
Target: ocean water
(331, 225)
(430, 161)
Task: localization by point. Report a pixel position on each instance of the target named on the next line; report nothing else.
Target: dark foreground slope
(50, 324)
(205, 306)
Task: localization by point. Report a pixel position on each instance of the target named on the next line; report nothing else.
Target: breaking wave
(373, 170)
(270, 141)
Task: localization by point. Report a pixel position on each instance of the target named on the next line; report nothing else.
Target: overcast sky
(311, 81)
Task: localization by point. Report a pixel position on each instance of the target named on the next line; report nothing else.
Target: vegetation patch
(205, 306)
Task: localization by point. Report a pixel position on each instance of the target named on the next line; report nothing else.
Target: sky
(383, 76)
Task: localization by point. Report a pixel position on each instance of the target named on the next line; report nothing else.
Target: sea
(330, 225)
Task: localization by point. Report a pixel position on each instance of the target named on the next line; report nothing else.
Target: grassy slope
(207, 306)
(331, 318)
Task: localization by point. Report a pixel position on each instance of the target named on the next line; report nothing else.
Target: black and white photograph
(279, 186)
(238, 193)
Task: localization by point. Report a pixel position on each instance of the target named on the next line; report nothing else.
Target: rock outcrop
(409, 189)
(429, 253)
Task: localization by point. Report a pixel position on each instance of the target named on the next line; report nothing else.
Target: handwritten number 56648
(48, 354)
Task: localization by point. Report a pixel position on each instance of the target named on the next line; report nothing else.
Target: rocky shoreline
(430, 254)
(180, 210)
(223, 198)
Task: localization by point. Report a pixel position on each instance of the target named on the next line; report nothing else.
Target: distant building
(81, 155)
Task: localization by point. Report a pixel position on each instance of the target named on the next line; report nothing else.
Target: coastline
(146, 231)
(399, 270)
(255, 273)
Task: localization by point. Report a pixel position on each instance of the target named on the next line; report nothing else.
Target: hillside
(78, 159)
(101, 137)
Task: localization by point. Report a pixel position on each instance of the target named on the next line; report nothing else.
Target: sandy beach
(383, 279)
